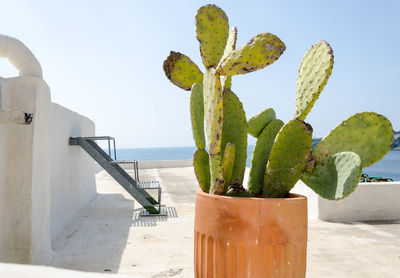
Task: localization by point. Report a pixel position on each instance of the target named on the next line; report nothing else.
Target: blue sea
(388, 167)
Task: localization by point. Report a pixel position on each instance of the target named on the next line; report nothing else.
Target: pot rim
(292, 197)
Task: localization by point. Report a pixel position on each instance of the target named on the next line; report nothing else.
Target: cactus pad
(182, 71)
(197, 115)
(336, 176)
(229, 160)
(212, 29)
(230, 47)
(260, 155)
(314, 72)
(217, 185)
(261, 51)
(257, 123)
(368, 134)
(201, 163)
(213, 109)
(287, 159)
(234, 130)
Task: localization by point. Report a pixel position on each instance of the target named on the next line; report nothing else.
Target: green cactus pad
(234, 130)
(217, 185)
(336, 176)
(287, 159)
(261, 153)
(230, 47)
(368, 134)
(257, 123)
(229, 160)
(213, 109)
(212, 29)
(201, 163)
(261, 51)
(182, 71)
(197, 115)
(314, 72)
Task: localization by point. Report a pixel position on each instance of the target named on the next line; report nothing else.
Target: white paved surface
(108, 236)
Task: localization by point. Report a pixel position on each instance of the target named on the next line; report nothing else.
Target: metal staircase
(138, 190)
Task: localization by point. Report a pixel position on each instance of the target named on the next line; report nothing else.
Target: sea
(388, 166)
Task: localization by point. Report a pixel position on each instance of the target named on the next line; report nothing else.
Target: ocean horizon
(388, 167)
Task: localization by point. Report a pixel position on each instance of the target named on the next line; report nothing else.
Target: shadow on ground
(97, 238)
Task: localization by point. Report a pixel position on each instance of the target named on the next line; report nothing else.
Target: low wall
(73, 183)
(369, 202)
(43, 180)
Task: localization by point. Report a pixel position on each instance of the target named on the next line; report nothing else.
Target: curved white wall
(43, 180)
(20, 56)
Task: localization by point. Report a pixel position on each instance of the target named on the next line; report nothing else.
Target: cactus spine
(282, 154)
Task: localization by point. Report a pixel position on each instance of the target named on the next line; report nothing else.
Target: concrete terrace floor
(109, 236)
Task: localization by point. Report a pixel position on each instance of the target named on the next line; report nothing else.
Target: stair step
(123, 161)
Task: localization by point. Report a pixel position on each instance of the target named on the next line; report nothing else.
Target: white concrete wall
(33, 180)
(72, 180)
(369, 202)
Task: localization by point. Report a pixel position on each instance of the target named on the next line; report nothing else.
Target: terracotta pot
(250, 237)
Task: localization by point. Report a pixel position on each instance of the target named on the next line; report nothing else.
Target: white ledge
(371, 201)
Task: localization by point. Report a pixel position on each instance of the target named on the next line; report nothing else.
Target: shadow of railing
(146, 221)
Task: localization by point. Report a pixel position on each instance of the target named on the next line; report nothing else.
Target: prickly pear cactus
(257, 123)
(197, 115)
(287, 159)
(213, 112)
(201, 163)
(262, 50)
(182, 71)
(282, 154)
(261, 153)
(230, 47)
(228, 162)
(368, 134)
(314, 72)
(212, 29)
(336, 176)
(234, 130)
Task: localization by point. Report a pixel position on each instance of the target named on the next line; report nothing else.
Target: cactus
(257, 123)
(282, 154)
(261, 153)
(336, 176)
(287, 158)
(228, 162)
(262, 50)
(201, 163)
(234, 130)
(182, 71)
(197, 115)
(314, 72)
(230, 47)
(213, 108)
(212, 29)
(368, 134)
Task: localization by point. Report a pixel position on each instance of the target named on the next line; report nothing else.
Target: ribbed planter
(250, 237)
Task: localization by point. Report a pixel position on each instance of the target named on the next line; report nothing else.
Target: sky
(103, 59)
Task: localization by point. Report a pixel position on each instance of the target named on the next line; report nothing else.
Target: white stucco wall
(72, 180)
(43, 180)
(369, 202)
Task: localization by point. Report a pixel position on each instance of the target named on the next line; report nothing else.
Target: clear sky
(103, 59)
